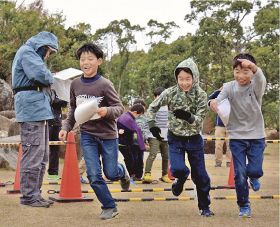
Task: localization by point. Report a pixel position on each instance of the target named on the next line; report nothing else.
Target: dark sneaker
(46, 201)
(245, 212)
(218, 164)
(125, 181)
(108, 213)
(37, 203)
(206, 213)
(177, 187)
(255, 184)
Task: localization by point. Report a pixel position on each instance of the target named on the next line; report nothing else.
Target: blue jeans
(193, 145)
(252, 149)
(93, 148)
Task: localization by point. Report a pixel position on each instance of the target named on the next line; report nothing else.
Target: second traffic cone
(16, 189)
(70, 188)
(169, 172)
(231, 182)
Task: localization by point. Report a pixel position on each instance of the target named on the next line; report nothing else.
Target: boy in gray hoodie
(245, 126)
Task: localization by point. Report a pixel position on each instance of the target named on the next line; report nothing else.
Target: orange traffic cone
(16, 189)
(231, 182)
(70, 188)
(169, 172)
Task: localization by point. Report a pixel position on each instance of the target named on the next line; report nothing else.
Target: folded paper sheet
(224, 111)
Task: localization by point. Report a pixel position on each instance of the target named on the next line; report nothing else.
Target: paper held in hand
(86, 111)
(224, 111)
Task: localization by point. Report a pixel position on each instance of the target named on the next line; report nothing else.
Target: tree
(123, 34)
(159, 31)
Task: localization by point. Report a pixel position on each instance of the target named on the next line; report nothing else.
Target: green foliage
(219, 37)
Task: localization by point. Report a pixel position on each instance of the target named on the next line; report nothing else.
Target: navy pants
(252, 150)
(54, 150)
(194, 147)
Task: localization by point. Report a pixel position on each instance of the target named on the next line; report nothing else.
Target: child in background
(133, 154)
(187, 105)
(246, 126)
(157, 144)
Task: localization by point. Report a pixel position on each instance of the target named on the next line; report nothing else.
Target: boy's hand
(248, 64)
(102, 111)
(184, 115)
(214, 105)
(62, 135)
(156, 133)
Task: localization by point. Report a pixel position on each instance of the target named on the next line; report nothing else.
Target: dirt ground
(265, 212)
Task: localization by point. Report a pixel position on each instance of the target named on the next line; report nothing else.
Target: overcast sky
(99, 13)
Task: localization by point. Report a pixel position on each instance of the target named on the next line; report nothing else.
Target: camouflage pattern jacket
(194, 101)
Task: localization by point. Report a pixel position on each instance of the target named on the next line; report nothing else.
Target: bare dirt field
(265, 212)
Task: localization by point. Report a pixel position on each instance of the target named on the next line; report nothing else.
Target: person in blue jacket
(31, 81)
(220, 131)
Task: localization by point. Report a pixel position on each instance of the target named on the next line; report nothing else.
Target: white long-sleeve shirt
(245, 119)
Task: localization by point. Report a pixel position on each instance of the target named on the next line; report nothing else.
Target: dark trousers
(133, 158)
(247, 161)
(193, 146)
(54, 150)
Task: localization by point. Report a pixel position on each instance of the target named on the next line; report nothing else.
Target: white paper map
(224, 111)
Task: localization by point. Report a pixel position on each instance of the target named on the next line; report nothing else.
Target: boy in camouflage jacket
(187, 106)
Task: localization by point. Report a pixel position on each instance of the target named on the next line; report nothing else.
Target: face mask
(42, 51)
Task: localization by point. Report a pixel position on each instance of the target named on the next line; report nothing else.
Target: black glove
(156, 133)
(184, 115)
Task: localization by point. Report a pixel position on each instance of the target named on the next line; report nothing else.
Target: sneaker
(255, 184)
(37, 203)
(108, 213)
(218, 164)
(46, 201)
(83, 181)
(245, 212)
(228, 164)
(125, 181)
(148, 178)
(53, 177)
(206, 213)
(166, 179)
(177, 187)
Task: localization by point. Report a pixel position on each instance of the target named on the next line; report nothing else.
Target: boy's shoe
(125, 181)
(218, 164)
(255, 184)
(148, 178)
(177, 187)
(166, 179)
(206, 213)
(53, 177)
(37, 203)
(245, 212)
(83, 181)
(228, 164)
(108, 213)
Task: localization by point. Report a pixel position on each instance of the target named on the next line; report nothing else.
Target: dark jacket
(128, 123)
(218, 121)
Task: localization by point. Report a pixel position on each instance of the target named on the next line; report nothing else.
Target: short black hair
(140, 101)
(187, 70)
(247, 56)
(92, 48)
(158, 91)
(138, 108)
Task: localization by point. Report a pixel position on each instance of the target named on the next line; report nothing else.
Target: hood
(43, 39)
(189, 63)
